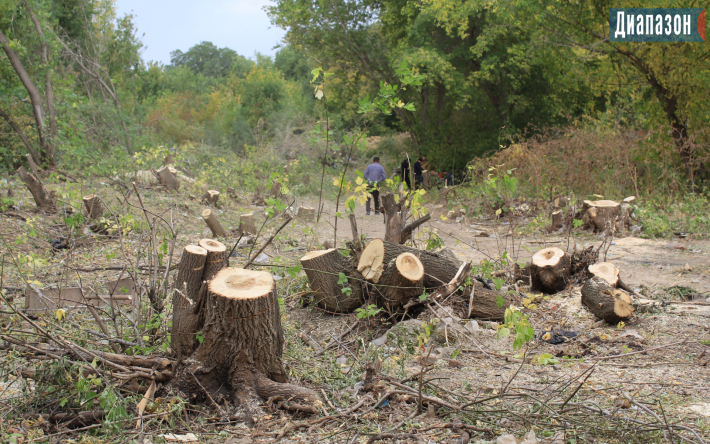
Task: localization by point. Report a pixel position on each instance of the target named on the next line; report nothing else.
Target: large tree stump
(601, 214)
(34, 184)
(216, 257)
(212, 222)
(550, 270)
(211, 197)
(401, 280)
(605, 302)
(438, 270)
(168, 178)
(246, 224)
(242, 346)
(185, 300)
(323, 268)
(93, 206)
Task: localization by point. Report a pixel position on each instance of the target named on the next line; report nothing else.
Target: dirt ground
(665, 364)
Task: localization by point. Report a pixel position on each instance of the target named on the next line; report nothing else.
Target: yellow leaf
(546, 336)
(498, 211)
(359, 180)
(60, 314)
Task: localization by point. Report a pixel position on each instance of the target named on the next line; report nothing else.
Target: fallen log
(550, 270)
(438, 270)
(606, 302)
(187, 286)
(401, 281)
(33, 182)
(168, 178)
(211, 197)
(242, 347)
(212, 222)
(93, 206)
(246, 224)
(484, 303)
(323, 268)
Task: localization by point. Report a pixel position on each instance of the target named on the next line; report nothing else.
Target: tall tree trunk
(32, 90)
(49, 94)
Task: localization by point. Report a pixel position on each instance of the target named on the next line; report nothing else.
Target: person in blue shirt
(374, 175)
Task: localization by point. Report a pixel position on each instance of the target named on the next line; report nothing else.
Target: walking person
(374, 175)
(405, 173)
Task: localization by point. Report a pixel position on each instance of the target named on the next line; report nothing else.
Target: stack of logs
(227, 333)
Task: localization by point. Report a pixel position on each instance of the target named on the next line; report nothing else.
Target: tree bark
(550, 270)
(241, 351)
(606, 303)
(402, 280)
(32, 91)
(438, 270)
(212, 222)
(602, 214)
(557, 222)
(483, 303)
(246, 224)
(185, 298)
(323, 268)
(93, 206)
(308, 214)
(19, 132)
(34, 184)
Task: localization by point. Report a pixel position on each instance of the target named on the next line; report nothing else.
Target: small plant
(547, 359)
(367, 312)
(518, 324)
(342, 280)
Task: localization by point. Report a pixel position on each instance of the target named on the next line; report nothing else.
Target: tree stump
(438, 270)
(168, 178)
(605, 302)
(242, 346)
(185, 300)
(211, 197)
(550, 270)
(93, 206)
(557, 222)
(34, 184)
(216, 257)
(246, 224)
(212, 222)
(276, 190)
(323, 268)
(627, 209)
(601, 214)
(308, 214)
(328, 244)
(401, 281)
(610, 273)
(10, 191)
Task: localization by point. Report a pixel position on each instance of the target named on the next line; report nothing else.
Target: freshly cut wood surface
(216, 257)
(607, 271)
(605, 302)
(401, 281)
(550, 270)
(212, 222)
(211, 196)
(246, 224)
(93, 206)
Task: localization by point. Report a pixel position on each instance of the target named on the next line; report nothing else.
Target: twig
(268, 242)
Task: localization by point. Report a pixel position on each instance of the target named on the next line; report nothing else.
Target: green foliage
(547, 359)
(367, 312)
(518, 324)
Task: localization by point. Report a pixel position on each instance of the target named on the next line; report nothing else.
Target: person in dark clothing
(448, 178)
(418, 173)
(405, 173)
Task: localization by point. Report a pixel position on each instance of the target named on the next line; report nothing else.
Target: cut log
(212, 222)
(216, 257)
(34, 184)
(610, 273)
(601, 214)
(627, 209)
(307, 214)
(483, 303)
(605, 302)
(240, 355)
(323, 268)
(438, 270)
(557, 222)
(185, 298)
(168, 178)
(401, 280)
(211, 197)
(93, 206)
(246, 224)
(550, 270)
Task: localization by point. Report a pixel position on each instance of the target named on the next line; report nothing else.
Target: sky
(241, 25)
